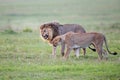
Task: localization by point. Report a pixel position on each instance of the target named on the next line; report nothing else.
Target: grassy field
(24, 56)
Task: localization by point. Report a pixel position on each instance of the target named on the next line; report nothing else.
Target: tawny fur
(83, 40)
(50, 30)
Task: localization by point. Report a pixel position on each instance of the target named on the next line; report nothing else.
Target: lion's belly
(75, 46)
(80, 45)
(81, 41)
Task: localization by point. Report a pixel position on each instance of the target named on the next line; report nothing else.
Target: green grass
(24, 56)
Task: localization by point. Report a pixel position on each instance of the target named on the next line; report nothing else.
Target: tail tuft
(93, 50)
(115, 53)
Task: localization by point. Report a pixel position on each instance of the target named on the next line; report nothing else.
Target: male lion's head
(49, 30)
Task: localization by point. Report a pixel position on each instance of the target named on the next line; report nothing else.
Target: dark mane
(54, 26)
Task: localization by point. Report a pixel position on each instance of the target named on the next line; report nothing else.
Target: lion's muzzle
(45, 36)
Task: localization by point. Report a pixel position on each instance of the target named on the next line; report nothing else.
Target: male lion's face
(56, 41)
(47, 33)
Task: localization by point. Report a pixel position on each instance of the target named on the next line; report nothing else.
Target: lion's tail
(114, 53)
(92, 49)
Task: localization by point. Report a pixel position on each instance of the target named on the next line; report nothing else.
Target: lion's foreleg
(62, 49)
(67, 53)
(84, 51)
(53, 51)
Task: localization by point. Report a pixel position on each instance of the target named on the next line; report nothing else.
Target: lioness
(82, 40)
(50, 30)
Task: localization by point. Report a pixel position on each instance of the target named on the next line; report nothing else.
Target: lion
(82, 40)
(50, 30)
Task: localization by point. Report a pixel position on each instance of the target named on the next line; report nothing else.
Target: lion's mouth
(45, 37)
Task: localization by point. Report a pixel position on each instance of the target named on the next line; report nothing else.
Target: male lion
(50, 30)
(82, 40)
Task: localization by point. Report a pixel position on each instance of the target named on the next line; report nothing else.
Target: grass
(27, 30)
(24, 56)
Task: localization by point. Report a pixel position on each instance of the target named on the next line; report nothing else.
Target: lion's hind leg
(105, 53)
(77, 51)
(99, 51)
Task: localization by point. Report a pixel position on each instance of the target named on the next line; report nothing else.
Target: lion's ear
(42, 26)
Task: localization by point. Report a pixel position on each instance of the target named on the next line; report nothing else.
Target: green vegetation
(9, 31)
(27, 30)
(24, 55)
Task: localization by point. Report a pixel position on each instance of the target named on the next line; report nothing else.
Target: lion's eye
(44, 30)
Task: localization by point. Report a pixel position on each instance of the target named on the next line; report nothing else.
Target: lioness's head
(56, 41)
(49, 30)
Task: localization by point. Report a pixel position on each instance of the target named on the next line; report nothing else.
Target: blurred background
(20, 14)
(24, 55)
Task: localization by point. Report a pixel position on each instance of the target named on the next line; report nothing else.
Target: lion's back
(72, 27)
